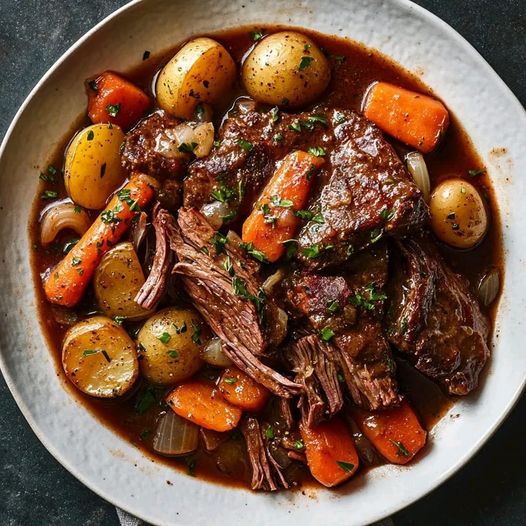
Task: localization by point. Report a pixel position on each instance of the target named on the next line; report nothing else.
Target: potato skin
(458, 215)
(286, 69)
(117, 281)
(168, 351)
(93, 169)
(201, 71)
(99, 358)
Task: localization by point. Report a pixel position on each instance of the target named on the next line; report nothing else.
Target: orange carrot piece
(415, 119)
(331, 455)
(241, 390)
(395, 433)
(272, 220)
(203, 404)
(114, 99)
(67, 282)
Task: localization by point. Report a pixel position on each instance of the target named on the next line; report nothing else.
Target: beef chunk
(362, 192)
(314, 364)
(224, 285)
(436, 321)
(267, 474)
(348, 311)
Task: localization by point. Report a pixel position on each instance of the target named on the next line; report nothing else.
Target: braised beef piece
(224, 285)
(148, 149)
(347, 310)
(267, 474)
(314, 364)
(364, 190)
(435, 320)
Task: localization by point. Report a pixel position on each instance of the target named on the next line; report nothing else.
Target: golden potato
(202, 71)
(99, 358)
(458, 215)
(286, 69)
(170, 342)
(117, 281)
(93, 165)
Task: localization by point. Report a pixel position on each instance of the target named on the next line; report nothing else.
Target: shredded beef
(436, 321)
(231, 302)
(313, 361)
(266, 472)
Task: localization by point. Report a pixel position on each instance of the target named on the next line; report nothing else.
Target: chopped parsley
(247, 146)
(164, 337)
(90, 135)
(109, 216)
(333, 306)
(326, 334)
(367, 300)
(317, 117)
(402, 450)
(267, 215)
(278, 137)
(91, 352)
(113, 109)
(298, 444)
(317, 151)
(218, 241)
(296, 126)
(283, 203)
(196, 333)
(240, 287)
(190, 465)
(387, 214)
(173, 354)
(346, 466)
(305, 62)
(77, 209)
(69, 245)
(376, 234)
(230, 380)
(227, 265)
(49, 194)
(124, 195)
(274, 114)
(339, 117)
(476, 172)
(306, 215)
(256, 35)
(145, 401)
(185, 147)
(75, 262)
(291, 246)
(269, 432)
(222, 194)
(256, 254)
(312, 252)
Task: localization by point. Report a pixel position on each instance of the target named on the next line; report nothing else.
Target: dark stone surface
(35, 489)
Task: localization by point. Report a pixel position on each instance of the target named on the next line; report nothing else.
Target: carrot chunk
(395, 433)
(415, 119)
(241, 390)
(273, 218)
(111, 98)
(203, 404)
(331, 455)
(66, 283)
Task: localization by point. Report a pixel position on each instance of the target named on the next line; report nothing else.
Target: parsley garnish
(218, 241)
(346, 466)
(75, 262)
(108, 217)
(256, 254)
(256, 35)
(333, 306)
(180, 330)
(317, 117)
(269, 432)
(267, 216)
(339, 117)
(173, 354)
(387, 214)
(227, 265)
(247, 146)
(312, 252)
(283, 203)
(292, 247)
(298, 444)
(146, 401)
(187, 148)
(49, 194)
(368, 298)
(376, 234)
(222, 194)
(326, 334)
(90, 135)
(196, 333)
(113, 109)
(402, 450)
(164, 337)
(278, 137)
(230, 380)
(476, 172)
(305, 63)
(317, 151)
(306, 215)
(274, 114)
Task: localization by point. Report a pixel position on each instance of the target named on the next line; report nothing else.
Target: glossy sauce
(354, 69)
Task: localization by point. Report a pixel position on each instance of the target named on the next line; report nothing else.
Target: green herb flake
(326, 334)
(145, 434)
(280, 202)
(119, 320)
(295, 126)
(75, 262)
(69, 245)
(227, 265)
(173, 354)
(109, 217)
(306, 47)
(90, 135)
(180, 330)
(256, 35)
(247, 146)
(333, 306)
(305, 62)
(146, 55)
(346, 466)
(185, 147)
(267, 215)
(402, 450)
(312, 252)
(306, 215)
(256, 254)
(318, 218)
(269, 432)
(240, 287)
(164, 337)
(298, 444)
(77, 209)
(145, 401)
(317, 151)
(278, 137)
(49, 194)
(230, 380)
(113, 109)
(274, 114)
(217, 144)
(90, 352)
(218, 241)
(476, 172)
(338, 117)
(462, 189)
(376, 234)
(387, 214)
(196, 333)
(222, 193)
(190, 465)
(291, 246)
(317, 117)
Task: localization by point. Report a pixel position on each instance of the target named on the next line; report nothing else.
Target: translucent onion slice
(418, 169)
(185, 139)
(62, 215)
(489, 287)
(175, 436)
(213, 354)
(215, 212)
(273, 280)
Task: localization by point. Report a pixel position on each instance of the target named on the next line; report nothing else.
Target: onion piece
(61, 215)
(279, 331)
(489, 287)
(212, 439)
(273, 280)
(213, 354)
(197, 139)
(215, 212)
(175, 436)
(418, 169)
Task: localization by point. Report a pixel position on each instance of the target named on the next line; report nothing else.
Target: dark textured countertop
(35, 489)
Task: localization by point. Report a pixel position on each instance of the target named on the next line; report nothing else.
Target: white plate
(114, 468)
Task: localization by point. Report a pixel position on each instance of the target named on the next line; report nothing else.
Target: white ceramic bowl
(115, 469)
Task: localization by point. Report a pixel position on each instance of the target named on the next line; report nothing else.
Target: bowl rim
(429, 18)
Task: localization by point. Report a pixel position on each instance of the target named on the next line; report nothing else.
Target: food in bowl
(270, 256)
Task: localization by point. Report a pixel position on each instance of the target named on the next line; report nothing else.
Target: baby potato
(117, 280)
(286, 69)
(170, 342)
(99, 358)
(93, 165)
(458, 214)
(202, 71)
